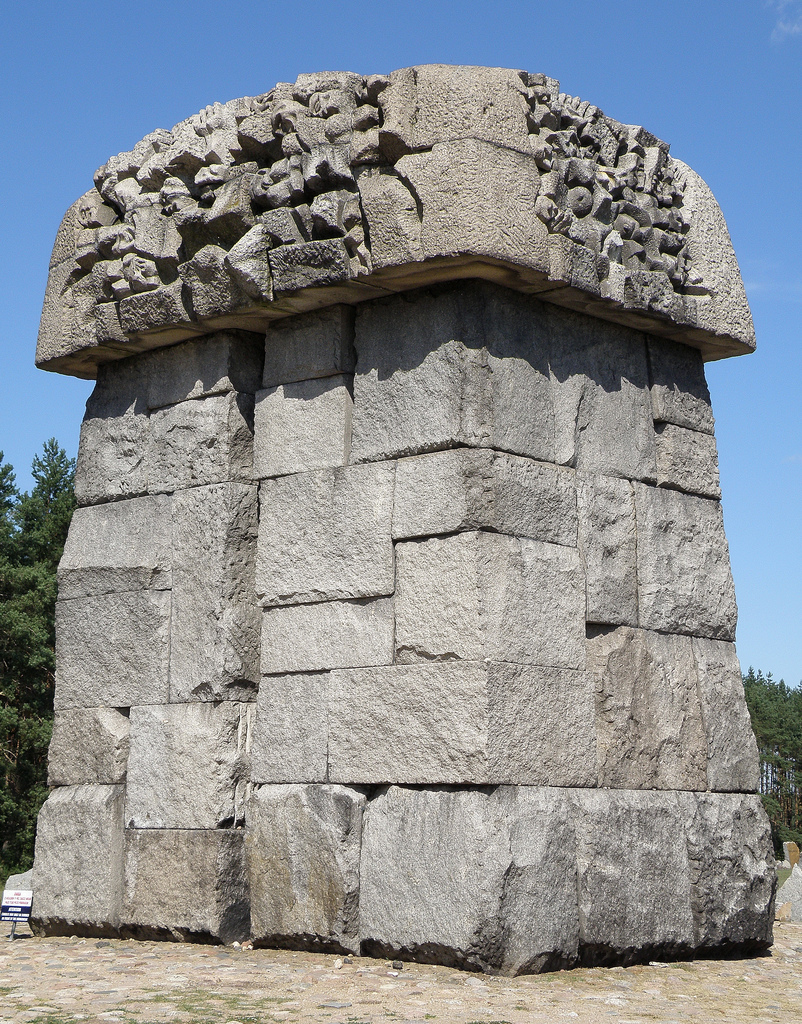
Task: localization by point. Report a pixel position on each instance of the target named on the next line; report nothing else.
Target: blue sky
(720, 81)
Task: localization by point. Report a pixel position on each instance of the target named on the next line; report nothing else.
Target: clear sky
(720, 80)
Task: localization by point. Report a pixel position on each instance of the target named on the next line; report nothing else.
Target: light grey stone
(434, 103)
(483, 595)
(78, 864)
(475, 878)
(185, 884)
(290, 734)
(469, 489)
(687, 460)
(391, 213)
(112, 457)
(649, 728)
(415, 724)
(112, 650)
(118, 546)
(214, 629)
(678, 386)
(326, 535)
(732, 755)
(89, 745)
(684, 579)
(312, 345)
(732, 871)
(214, 364)
(21, 881)
(309, 265)
(608, 543)
(790, 892)
(213, 289)
(202, 441)
(303, 851)
(633, 876)
(302, 426)
(188, 766)
(328, 634)
(151, 310)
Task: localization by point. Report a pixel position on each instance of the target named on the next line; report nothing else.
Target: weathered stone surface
(112, 457)
(678, 386)
(732, 871)
(118, 546)
(185, 884)
(732, 756)
(633, 877)
(649, 727)
(313, 345)
(112, 650)
(302, 426)
(791, 853)
(202, 441)
(687, 460)
(215, 364)
(214, 629)
(303, 852)
(467, 489)
(188, 765)
(495, 890)
(391, 213)
(332, 634)
(326, 535)
(290, 734)
(790, 894)
(484, 595)
(608, 544)
(684, 579)
(308, 265)
(78, 868)
(89, 745)
(23, 880)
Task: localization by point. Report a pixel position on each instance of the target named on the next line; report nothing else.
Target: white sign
(16, 905)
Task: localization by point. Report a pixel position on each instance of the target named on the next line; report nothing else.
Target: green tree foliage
(33, 529)
(776, 713)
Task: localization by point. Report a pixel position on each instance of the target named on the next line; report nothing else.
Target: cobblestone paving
(54, 981)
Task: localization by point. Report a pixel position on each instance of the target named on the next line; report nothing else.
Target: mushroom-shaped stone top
(340, 188)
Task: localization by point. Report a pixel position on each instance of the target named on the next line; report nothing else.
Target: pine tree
(33, 529)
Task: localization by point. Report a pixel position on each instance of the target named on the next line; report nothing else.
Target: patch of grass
(782, 875)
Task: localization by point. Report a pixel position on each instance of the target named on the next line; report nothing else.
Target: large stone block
(678, 385)
(89, 745)
(483, 595)
(118, 546)
(202, 441)
(634, 882)
(112, 458)
(483, 879)
(326, 535)
(312, 345)
(303, 852)
(684, 579)
(328, 634)
(649, 727)
(732, 755)
(113, 650)
(687, 460)
(302, 426)
(78, 868)
(188, 766)
(474, 489)
(214, 364)
(185, 884)
(214, 630)
(608, 543)
(290, 734)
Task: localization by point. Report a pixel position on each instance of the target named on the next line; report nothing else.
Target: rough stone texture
(78, 868)
(496, 890)
(89, 745)
(302, 426)
(118, 546)
(465, 489)
(684, 579)
(290, 734)
(484, 595)
(113, 650)
(185, 884)
(678, 386)
(303, 851)
(214, 629)
(326, 535)
(687, 460)
(310, 346)
(188, 766)
(790, 893)
(335, 634)
(608, 543)
(112, 457)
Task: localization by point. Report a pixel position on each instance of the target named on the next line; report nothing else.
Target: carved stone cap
(341, 188)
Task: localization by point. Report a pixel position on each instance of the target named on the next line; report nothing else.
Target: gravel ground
(53, 981)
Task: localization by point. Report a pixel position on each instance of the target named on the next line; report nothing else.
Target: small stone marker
(791, 853)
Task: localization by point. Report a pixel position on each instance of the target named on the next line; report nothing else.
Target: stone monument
(396, 615)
